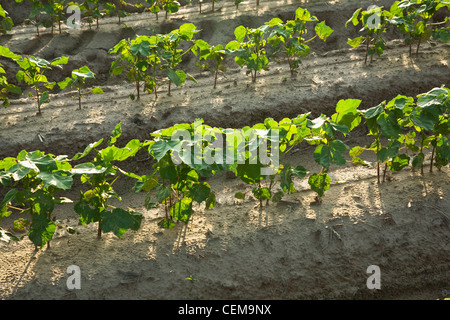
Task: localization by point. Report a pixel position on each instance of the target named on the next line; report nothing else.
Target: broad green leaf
(60, 179)
(389, 125)
(356, 42)
(87, 150)
(240, 33)
(399, 162)
(59, 61)
(97, 90)
(323, 31)
(87, 213)
(323, 155)
(161, 147)
(88, 168)
(162, 193)
(262, 193)
(182, 210)
(418, 161)
(5, 52)
(119, 221)
(319, 183)
(354, 18)
(299, 172)
(200, 192)
(166, 223)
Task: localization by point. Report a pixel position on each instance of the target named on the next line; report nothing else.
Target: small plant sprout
(288, 38)
(78, 80)
(214, 55)
(32, 73)
(374, 23)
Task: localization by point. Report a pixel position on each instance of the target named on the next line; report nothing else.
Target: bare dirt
(295, 249)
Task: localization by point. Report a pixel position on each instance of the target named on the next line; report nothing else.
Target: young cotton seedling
(412, 18)
(249, 48)
(214, 55)
(32, 73)
(288, 38)
(5, 87)
(374, 23)
(78, 80)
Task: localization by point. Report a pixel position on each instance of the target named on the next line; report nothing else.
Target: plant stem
(215, 78)
(367, 48)
(137, 88)
(99, 230)
(432, 158)
(79, 98)
(418, 45)
(384, 172)
(38, 102)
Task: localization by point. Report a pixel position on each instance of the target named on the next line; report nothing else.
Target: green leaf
(86, 213)
(425, 118)
(211, 201)
(356, 42)
(166, 223)
(67, 82)
(347, 113)
(97, 90)
(162, 193)
(277, 196)
(418, 161)
(161, 147)
(178, 77)
(240, 33)
(299, 172)
(323, 156)
(119, 221)
(200, 192)
(354, 18)
(389, 125)
(239, 195)
(41, 229)
(262, 193)
(59, 61)
(399, 162)
(182, 210)
(61, 179)
(5, 52)
(373, 112)
(87, 150)
(323, 31)
(319, 183)
(87, 168)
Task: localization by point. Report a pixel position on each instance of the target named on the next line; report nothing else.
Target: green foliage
(213, 55)
(100, 175)
(7, 88)
(34, 180)
(169, 6)
(412, 18)
(249, 49)
(374, 22)
(6, 23)
(288, 38)
(32, 73)
(78, 79)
